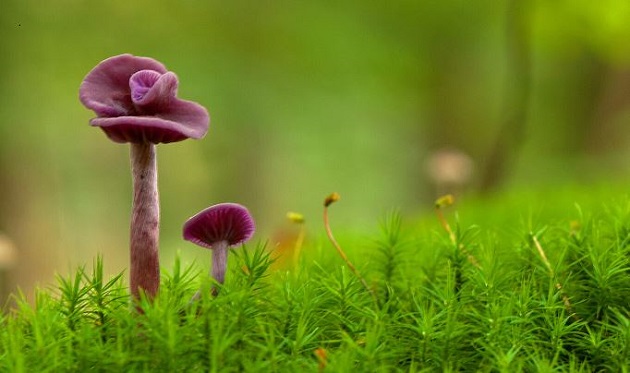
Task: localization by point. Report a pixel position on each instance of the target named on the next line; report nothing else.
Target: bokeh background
(389, 103)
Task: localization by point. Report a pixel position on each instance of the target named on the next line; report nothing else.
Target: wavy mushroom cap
(229, 222)
(135, 100)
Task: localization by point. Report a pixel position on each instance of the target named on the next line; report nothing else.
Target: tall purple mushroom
(217, 228)
(135, 101)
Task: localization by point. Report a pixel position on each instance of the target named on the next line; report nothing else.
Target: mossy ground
(486, 301)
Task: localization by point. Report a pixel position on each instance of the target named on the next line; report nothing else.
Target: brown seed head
(334, 197)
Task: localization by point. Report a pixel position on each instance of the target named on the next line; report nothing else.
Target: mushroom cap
(229, 222)
(135, 100)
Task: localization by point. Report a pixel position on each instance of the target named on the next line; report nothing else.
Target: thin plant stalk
(327, 202)
(297, 249)
(299, 241)
(558, 285)
(444, 201)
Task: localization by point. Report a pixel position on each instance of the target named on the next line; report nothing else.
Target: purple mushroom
(217, 228)
(135, 101)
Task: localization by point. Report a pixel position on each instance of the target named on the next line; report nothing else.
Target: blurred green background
(306, 98)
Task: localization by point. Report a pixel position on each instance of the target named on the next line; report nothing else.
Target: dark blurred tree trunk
(517, 93)
(445, 126)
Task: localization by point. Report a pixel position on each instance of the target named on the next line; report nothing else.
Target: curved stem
(343, 254)
(145, 222)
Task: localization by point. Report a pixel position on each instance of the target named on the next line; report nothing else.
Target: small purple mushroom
(135, 102)
(217, 228)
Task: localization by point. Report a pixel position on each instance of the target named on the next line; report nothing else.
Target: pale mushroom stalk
(219, 261)
(145, 221)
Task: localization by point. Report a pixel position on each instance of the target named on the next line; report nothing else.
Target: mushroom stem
(220, 251)
(219, 261)
(145, 221)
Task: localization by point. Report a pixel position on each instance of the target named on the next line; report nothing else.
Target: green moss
(508, 310)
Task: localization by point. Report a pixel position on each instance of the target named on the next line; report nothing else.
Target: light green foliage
(508, 311)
